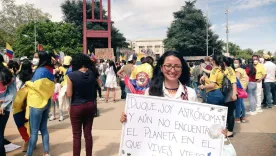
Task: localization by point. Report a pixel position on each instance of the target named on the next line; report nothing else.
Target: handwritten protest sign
(165, 127)
(104, 53)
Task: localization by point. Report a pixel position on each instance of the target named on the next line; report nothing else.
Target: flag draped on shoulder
(9, 51)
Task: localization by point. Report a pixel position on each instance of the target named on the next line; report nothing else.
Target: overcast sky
(252, 22)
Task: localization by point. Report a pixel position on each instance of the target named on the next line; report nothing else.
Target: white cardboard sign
(164, 127)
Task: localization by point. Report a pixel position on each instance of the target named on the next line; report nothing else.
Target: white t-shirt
(270, 71)
(191, 93)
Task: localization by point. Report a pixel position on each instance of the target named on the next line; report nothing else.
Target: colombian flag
(140, 79)
(56, 55)
(9, 51)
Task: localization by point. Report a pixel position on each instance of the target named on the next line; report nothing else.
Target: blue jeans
(103, 79)
(215, 97)
(3, 122)
(38, 121)
(252, 95)
(195, 85)
(240, 109)
(269, 87)
(203, 95)
(274, 94)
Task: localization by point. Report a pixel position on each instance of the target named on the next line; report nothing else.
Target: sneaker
(101, 99)
(52, 118)
(39, 133)
(259, 110)
(46, 155)
(61, 118)
(252, 113)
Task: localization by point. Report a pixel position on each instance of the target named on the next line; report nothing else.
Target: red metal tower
(96, 33)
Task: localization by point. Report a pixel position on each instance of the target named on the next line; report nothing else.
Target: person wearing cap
(126, 70)
(269, 81)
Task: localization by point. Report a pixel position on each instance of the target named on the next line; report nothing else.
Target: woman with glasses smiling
(170, 79)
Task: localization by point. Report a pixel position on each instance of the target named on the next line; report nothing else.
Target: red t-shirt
(252, 78)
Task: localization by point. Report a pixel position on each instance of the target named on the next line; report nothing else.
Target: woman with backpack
(230, 93)
(243, 78)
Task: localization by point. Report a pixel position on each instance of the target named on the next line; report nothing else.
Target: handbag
(242, 94)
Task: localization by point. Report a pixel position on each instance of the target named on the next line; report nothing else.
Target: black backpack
(227, 89)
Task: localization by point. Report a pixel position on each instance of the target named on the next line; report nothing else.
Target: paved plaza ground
(255, 138)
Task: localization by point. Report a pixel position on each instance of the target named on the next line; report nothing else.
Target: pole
(227, 29)
(35, 33)
(207, 25)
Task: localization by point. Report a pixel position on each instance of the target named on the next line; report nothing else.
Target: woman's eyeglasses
(169, 67)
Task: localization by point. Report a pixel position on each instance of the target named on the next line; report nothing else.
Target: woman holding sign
(170, 79)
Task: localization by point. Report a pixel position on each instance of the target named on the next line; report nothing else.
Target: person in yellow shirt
(213, 83)
(232, 97)
(260, 75)
(63, 69)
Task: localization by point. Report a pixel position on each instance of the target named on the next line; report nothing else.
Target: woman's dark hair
(45, 59)
(156, 86)
(13, 65)
(218, 59)
(250, 66)
(149, 60)
(197, 63)
(25, 73)
(228, 61)
(94, 70)
(80, 60)
(191, 64)
(143, 60)
(112, 64)
(238, 59)
(5, 75)
(1, 58)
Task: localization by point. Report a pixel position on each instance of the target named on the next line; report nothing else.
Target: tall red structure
(96, 33)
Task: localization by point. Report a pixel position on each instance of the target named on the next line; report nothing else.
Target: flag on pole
(39, 47)
(9, 51)
(56, 55)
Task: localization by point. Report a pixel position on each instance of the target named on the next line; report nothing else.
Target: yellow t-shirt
(191, 70)
(62, 70)
(243, 78)
(216, 76)
(260, 71)
(231, 75)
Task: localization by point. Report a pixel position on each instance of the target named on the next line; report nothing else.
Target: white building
(155, 45)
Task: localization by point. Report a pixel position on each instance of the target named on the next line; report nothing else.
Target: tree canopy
(52, 35)
(12, 16)
(187, 33)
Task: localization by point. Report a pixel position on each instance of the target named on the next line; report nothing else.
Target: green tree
(259, 52)
(13, 16)
(53, 36)
(269, 53)
(187, 33)
(73, 13)
(234, 49)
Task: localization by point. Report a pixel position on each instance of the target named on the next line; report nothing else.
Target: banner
(105, 53)
(164, 127)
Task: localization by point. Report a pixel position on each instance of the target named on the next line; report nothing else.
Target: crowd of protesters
(35, 89)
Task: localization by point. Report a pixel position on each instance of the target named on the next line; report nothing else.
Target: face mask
(256, 61)
(236, 65)
(35, 61)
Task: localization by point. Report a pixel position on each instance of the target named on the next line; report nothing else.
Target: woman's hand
(123, 118)
(234, 97)
(202, 79)
(201, 87)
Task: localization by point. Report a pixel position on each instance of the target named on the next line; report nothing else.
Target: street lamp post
(207, 27)
(227, 28)
(35, 32)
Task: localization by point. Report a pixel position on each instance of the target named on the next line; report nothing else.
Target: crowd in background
(43, 85)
